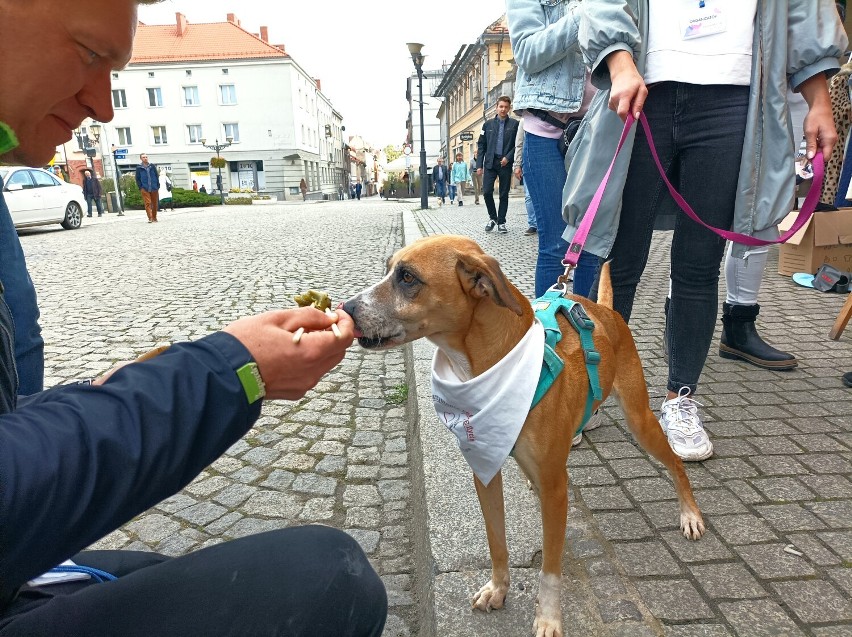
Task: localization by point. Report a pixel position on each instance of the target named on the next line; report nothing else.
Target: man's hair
(505, 98)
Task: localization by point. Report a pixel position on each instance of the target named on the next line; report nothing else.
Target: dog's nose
(349, 307)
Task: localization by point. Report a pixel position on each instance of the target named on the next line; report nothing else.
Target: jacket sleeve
(607, 26)
(138, 178)
(815, 39)
(536, 44)
(481, 146)
(77, 462)
(511, 136)
(519, 146)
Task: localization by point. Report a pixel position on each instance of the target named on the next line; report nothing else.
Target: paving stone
(829, 485)
(759, 618)
(361, 495)
(261, 456)
(782, 489)
(234, 495)
(840, 542)
(202, 513)
(790, 517)
(272, 504)
(246, 475)
(605, 498)
(843, 578)
(837, 514)
(707, 548)
(317, 509)
(314, 484)
(728, 580)
(814, 601)
(742, 529)
(813, 549)
(770, 561)
(633, 468)
(718, 502)
(727, 468)
(295, 462)
(623, 526)
(641, 559)
(613, 610)
(590, 476)
(369, 540)
(702, 630)
(674, 599)
(153, 528)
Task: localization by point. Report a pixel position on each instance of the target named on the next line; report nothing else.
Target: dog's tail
(605, 287)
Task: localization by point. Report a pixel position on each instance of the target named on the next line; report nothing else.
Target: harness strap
(546, 308)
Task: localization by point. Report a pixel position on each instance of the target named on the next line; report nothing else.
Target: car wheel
(73, 216)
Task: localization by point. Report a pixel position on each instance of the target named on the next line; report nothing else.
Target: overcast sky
(357, 49)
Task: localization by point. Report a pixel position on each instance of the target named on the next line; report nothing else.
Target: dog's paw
(691, 525)
(490, 596)
(547, 626)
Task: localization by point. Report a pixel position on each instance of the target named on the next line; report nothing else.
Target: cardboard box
(825, 238)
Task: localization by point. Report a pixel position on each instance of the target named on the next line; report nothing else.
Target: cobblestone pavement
(119, 286)
(780, 475)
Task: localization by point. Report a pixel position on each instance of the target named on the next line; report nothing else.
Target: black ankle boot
(740, 339)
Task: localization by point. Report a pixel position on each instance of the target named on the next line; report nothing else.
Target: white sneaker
(682, 425)
(594, 422)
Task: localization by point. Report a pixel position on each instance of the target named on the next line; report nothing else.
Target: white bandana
(487, 413)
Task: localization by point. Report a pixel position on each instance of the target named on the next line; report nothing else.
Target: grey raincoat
(793, 41)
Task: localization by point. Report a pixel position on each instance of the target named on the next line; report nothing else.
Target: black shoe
(89, 215)
(461, 203)
(740, 340)
(529, 231)
(501, 228)
(490, 225)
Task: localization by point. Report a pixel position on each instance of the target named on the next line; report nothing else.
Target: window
(232, 130)
(190, 96)
(124, 138)
(22, 178)
(193, 133)
(188, 72)
(115, 76)
(155, 97)
(227, 94)
(150, 73)
(119, 98)
(158, 134)
(42, 179)
(224, 71)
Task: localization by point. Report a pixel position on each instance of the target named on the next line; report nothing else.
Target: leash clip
(564, 279)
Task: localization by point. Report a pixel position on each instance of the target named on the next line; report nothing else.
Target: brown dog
(446, 289)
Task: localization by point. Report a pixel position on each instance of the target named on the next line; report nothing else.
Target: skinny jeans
(544, 177)
(489, 175)
(699, 132)
(309, 581)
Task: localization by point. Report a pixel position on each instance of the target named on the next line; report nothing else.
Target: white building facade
(279, 126)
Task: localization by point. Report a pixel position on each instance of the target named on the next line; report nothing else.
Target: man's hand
(519, 172)
(628, 92)
(479, 171)
(503, 161)
(290, 369)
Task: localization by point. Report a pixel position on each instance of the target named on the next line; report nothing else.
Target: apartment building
(191, 85)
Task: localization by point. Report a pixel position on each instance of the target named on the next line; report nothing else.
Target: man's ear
(480, 276)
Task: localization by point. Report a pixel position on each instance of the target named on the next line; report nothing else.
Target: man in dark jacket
(495, 154)
(92, 192)
(440, 178)
(148, 180)
(78, 461)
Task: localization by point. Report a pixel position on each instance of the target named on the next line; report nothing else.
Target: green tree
(392, 152)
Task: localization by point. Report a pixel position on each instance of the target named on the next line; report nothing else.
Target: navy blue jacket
(486, 145)
(78, 461)
(147, 178)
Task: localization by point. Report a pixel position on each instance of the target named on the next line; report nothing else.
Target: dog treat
(297, 335)
(312, 298)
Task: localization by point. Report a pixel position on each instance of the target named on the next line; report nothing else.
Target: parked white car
(37, 198)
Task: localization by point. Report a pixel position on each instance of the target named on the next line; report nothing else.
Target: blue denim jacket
(544, 35)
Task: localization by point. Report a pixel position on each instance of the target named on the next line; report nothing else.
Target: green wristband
(251, 381)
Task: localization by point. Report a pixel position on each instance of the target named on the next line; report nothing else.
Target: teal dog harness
(546, 308)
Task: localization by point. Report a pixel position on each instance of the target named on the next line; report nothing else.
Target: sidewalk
(779, 478)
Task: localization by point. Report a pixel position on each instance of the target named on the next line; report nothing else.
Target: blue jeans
(531, 222)
(699, 132)
(21, 298)
(441, 190)
(544, 177)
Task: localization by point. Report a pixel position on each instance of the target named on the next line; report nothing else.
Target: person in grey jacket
(717, 109)
(549, 92)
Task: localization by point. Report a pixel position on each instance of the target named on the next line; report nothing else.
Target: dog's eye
(406, 277)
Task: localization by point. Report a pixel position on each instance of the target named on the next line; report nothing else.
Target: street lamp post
(217, 147)
(417, 57)
(95, 131)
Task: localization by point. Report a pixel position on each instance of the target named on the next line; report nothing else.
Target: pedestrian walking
(496, 150)
(476, 178)
(303, 187)
(440, 179)
(92, 192)
(460, 176)
(148, 181)
(358, 191)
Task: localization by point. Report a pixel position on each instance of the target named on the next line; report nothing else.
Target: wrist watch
(252, 383)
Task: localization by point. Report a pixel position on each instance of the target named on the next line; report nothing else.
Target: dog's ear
(481, 277)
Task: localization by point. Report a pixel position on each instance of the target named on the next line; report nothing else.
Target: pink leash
(808, 207)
